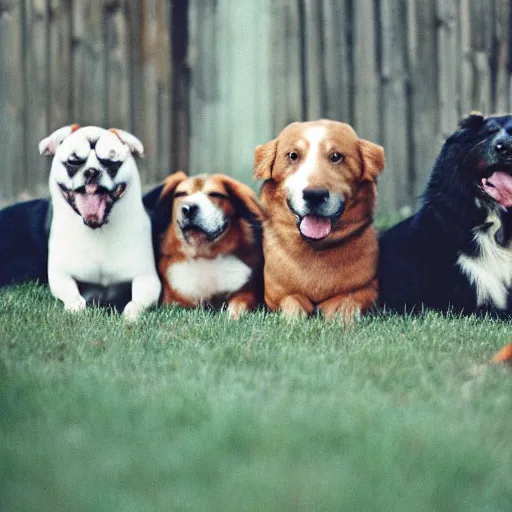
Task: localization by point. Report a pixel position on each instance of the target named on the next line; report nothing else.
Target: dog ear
(170, 184)
(264, 158)
(49, 145)
(244, 199)
(473, 121)
(135, 145)
(373, 159)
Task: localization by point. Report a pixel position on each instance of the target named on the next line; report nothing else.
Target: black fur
(418, 256)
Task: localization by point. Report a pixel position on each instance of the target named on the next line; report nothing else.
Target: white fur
(120, 250)
(210, 217)
(201, 279)
(300, 179)
(491, 271)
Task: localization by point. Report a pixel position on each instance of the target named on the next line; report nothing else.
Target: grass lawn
(189, 411)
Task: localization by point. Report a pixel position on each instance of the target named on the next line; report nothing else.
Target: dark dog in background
(456, 252)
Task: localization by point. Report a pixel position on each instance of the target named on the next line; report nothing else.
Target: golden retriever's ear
(372, 156)
(170, 184)
(244, 199)
(264, 157)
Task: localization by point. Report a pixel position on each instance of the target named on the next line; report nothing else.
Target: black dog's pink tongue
(91, 207)
(499, 187)
(315, 227)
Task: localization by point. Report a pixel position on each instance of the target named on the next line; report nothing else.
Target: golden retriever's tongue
(499, 187)
(315, 227)
(91, 206)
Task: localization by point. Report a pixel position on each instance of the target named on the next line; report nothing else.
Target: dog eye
(179, 194)
(336, 157)
(112, 166)
(218, 195)
(73, 163)
(293, 156)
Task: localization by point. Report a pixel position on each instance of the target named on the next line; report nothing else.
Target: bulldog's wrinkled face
(93, 168)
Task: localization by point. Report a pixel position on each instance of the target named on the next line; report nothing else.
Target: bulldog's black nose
(189, 210)
(503, 147)
(91, 175)
(315, 196)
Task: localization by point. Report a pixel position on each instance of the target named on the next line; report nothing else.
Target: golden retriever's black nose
(189, 210)
(315, 196)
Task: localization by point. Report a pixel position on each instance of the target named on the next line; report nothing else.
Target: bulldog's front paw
(75, 306)
(132, 311)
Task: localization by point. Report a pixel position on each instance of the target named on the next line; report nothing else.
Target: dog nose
(503, 147)
(189, 210)
(91, 175)
(315, 196)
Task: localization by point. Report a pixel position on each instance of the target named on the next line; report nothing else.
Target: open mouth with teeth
(196, 235)
(93, 202)
(498, 185)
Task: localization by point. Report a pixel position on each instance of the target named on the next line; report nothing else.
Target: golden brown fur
(336, 275)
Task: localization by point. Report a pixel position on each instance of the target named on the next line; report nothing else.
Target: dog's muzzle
(318, 212)
(195, 230)
(92, 201)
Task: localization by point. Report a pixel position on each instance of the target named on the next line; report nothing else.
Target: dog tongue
(315, 227)
(499, 187)
(91, 207)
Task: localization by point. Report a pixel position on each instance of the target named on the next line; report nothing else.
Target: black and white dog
(95, 235)
(456, 252)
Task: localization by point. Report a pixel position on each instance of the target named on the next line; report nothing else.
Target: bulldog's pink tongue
(91, 207)
(499, 187)
(315, 227)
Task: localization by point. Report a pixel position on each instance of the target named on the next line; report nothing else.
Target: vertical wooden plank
(11, 102)
(336, 55)
(314, 59)
(481, 36)
(365, 72)
(59, 113)
(180, 97)
(36, 93)
(286, 81)
(501, 56)
(149, 115)
(467, 78)
(448, 59)
(163, 99)
(117, 74)
(394, 185)
(426, 137)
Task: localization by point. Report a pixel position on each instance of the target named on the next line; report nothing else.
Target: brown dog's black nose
(315, 196)
(189, 211)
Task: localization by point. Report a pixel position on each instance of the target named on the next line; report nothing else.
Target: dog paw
(236, 309)
(294, 307)
(75, 306)
(348, 311)
(132, 311)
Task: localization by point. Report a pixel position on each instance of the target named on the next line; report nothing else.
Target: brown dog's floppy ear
(170, 184)
(264, 157)
(244, 199)
(372, 156)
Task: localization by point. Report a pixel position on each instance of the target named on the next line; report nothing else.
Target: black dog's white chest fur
(490, 269)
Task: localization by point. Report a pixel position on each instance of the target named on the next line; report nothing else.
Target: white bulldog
(100, 232)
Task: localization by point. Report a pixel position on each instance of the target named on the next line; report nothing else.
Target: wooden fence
(201, 82)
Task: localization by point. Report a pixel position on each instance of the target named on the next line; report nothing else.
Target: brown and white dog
(319, 243)
(211, 252)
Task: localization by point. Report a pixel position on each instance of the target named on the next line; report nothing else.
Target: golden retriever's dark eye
(179, 194)
(218, 195)
(293, 156)
(336, 157)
